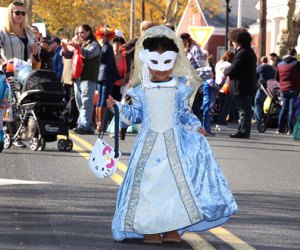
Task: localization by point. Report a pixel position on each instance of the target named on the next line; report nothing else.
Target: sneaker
(80, 130)
(278, 132)
(90, 132)
(289, 133)
(223, 128)
(19, 144)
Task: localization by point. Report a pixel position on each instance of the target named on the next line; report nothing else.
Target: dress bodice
(161, 104)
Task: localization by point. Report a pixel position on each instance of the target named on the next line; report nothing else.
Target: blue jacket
(57, 63)
(3, 87)
(265, 72)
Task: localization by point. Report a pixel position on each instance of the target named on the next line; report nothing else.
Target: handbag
(103, 157)
(77, 64)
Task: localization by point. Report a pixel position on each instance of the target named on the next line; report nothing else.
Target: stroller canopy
(42, 80)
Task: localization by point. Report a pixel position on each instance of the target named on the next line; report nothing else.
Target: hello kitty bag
(103, 157)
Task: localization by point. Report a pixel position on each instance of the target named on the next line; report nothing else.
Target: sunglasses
(18, 3)
(19, 13)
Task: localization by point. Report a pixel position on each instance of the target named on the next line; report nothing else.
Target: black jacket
(108, 68)
(242, 73)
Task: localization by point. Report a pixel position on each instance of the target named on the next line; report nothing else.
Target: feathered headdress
(102, 31)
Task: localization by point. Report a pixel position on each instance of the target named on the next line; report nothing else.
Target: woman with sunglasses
(17, 41)
(16, 37)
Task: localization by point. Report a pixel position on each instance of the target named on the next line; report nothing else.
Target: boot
(94, 117)
(100, 112)
(123, 133)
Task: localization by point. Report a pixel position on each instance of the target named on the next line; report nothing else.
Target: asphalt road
(51, 200)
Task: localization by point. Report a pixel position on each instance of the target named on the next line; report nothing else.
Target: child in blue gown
(173, 183)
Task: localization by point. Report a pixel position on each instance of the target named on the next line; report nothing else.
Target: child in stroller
(270, 118)
(37, 106)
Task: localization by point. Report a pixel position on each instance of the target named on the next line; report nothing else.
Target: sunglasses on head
(19, 13)
(18, 3)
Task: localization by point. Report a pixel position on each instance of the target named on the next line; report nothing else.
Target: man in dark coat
(242, 74)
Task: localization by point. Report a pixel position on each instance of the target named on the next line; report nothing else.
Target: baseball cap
(55, 39)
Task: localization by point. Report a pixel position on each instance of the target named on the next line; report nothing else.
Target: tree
(288, 37)
(262, 29)
(62, 17)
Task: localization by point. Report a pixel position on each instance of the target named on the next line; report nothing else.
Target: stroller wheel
(69, 145)
(1, 146)
(61, 144)
(34, 144)
(7, 141)
(261, 126)
(42, 144)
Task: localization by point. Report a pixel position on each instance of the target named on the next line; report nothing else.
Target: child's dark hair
(164, 43)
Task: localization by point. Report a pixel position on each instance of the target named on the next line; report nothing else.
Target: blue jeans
(245, 114)
(84, 97)
(105, 89)
(1, 125)
(288, 99)
(259, 99)
(208, 100)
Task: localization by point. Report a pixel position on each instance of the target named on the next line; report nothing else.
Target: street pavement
(51, 200)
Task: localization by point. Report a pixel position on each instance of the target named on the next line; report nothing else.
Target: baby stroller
(37, 107)
(270, 118)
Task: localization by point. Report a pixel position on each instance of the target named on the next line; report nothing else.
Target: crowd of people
(96, 67)
(228, 86)
(108, 61)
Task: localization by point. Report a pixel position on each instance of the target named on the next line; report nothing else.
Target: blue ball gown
(173, 181)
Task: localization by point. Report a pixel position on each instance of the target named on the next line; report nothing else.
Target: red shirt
(122, 68)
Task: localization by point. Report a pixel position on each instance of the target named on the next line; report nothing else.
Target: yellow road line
(122, 167)
(81, 151)
(80, 140)
(230, 239)
(89, 146)
(196, 241)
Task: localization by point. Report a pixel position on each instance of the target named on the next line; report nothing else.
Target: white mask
(156, 61)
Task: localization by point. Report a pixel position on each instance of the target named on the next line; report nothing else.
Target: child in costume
(3, 105)
(206, 75)
(173, 183)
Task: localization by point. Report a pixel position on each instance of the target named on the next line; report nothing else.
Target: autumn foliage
(62, 17)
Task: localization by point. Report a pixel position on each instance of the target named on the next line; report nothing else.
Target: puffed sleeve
(132, 113)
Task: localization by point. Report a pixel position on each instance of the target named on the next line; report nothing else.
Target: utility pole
(142, 10)
(227, 24)
(239, 22)
(132, 19)
(262, 29)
